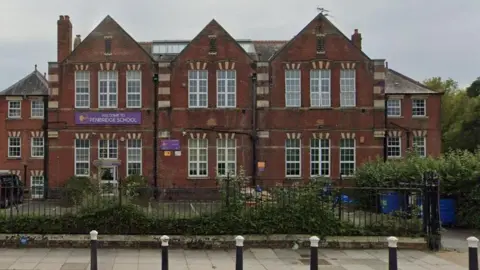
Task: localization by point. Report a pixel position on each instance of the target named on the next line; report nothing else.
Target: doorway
(108, 180)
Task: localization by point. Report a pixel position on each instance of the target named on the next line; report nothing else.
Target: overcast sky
(421, 38)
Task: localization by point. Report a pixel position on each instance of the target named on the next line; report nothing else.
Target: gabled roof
(322, 17)
(397, 83)
(96, 32)
(213, 21)
(34, 84)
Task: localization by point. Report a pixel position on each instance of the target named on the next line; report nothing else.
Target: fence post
(472, 253)
(392, 253)
(314, 252)
(164, 240)
(93, 250)
(239, 256)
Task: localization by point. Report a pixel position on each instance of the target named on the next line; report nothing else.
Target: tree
(474, 89)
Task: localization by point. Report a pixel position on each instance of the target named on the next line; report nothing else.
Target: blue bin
(389, 202)
(447, 212)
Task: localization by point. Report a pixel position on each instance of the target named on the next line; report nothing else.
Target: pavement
(254, 259)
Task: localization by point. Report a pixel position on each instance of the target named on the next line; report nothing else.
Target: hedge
(303, 213)
(459, 173)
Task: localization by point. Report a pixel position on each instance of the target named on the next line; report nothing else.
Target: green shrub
(136, 189)
(77, 189)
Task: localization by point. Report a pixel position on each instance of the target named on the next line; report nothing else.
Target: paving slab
(254, 259)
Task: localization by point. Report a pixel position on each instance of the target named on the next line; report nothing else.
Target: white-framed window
(37, 186)
(320, 90)
(320, 157)
(107, 149)
(108, 90)
(419, 107)
(293, 88)
(197, 157)
(347, 157)
(37, 145)
(134, 157)
(226, 157)
(134, 89)
(14, 109)
(293, 159)
(197, 88)
(394, 107)
(226, 88)
(420, 145)
(82, 157)
(37, 108)
(82, 89)
(14, 147)
(347, 88)
(394, 146)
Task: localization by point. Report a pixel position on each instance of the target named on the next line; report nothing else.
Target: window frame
(197, 149)
(128, 77)
(347, 83)
(140, 155)
(297, 82)
(75, 155)
(394, 146)
(423, 146)
(414, 107)
(33, 147)
(341, 154)
(197, 79)
(32, 109)
(318, 82)
(19, 146)
(395, 108)
(225, 149)
(87, 94)
(224, 81)
(110, 76)
(10, 109)
(32, 178)
(299, 161)
(320, 161)
(109, 147)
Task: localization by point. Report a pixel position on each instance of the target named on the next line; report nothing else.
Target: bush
(136, 189)
(459, 173)
(76, 189)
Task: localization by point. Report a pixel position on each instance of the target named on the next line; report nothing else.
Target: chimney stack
(64, 37)
(77, 41)
(357, 39)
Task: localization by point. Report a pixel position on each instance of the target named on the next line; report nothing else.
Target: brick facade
(259, 122)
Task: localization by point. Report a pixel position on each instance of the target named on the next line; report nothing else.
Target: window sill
(419, 117)
(395, 158)
(36, 157)
(36, 118)
(14, 118)
(14, 158)
(395, 116)
(194, 178)
(320, 108)
(293, 178)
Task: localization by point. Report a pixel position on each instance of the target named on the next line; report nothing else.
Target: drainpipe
(155, 127)
(254, 129)
(46, 148)
(385, 114)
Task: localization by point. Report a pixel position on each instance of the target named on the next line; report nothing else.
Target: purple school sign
(108, 118)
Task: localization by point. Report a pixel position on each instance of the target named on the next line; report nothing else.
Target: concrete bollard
(472, 253)
(164, 240)
(239, 250)
(314, 240)
(392, 253)
(93, 250)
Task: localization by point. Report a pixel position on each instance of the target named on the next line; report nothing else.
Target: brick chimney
(357, 39)
(64, 37)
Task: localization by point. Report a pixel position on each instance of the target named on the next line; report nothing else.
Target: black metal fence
(361, 207)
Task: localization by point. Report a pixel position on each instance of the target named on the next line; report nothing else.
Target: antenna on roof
(35, 66)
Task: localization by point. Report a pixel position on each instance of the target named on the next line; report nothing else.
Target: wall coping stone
(205, 241)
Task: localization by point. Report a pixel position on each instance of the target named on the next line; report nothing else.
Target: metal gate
(431, 215)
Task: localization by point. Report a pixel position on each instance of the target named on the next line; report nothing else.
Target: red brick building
(182, 112)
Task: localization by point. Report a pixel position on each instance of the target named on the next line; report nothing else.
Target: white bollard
(472, 253)
(314, 240)
(239, 240)
(392, 253)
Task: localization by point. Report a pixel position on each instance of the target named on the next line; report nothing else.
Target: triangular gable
(213, 22)
(107, 19)
(322, 17)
